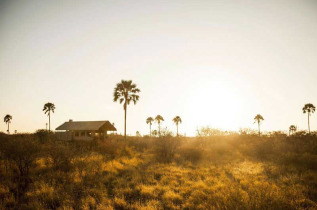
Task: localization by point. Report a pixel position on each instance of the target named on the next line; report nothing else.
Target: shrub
(165, 148)
(43, 135)
(61, 156)
(110, 149)
(191, 153)
(21, 152)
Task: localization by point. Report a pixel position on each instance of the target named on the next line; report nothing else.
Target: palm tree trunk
(49, 121)
(8, 128)
(125, 121)
(159, 129)
(259, 128)
(177, 129)
(308, 123)
(150, 130)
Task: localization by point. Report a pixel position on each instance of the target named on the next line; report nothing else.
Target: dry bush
(44, 135)
(209, 132)
(110, 149)
(191, 151)
(165, 148)
(141, 144)
(61, 156)
(20, 152)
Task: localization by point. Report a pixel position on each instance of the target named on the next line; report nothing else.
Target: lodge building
(84, 130)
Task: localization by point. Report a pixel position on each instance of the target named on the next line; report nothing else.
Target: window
(89, 134)
(76, 133)
(82, 133)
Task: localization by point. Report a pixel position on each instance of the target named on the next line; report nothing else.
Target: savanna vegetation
(215, 170)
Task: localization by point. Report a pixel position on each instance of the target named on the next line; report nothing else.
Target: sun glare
(216, 104)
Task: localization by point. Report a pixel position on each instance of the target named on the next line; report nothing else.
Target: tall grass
(223, 171)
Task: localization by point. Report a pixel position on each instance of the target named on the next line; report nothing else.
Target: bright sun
(218, 104)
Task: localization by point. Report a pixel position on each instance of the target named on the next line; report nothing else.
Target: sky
(213, 63)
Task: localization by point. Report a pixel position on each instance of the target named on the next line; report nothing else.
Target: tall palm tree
(158, 119)
(292, 129)
(126, 92)
(48, 108)
(309, 108)
(149, 120)
(257, 119)
(177, 120)
(7, 120)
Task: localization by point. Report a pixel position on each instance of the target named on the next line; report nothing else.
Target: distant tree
(247, 131)
(7, 120)
(137, 134)
(208, 131)
(177, 120)
(149, 121)
(292, 129)
(257, 119)
(48, 108)
(158, 119)
(126, 92)
(154, 132)
(309, 108)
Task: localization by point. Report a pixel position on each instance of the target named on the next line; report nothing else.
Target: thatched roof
(87, 125)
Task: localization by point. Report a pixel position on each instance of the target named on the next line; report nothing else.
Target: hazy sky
(216, 63)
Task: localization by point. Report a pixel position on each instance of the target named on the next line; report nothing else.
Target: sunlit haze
(213, 63)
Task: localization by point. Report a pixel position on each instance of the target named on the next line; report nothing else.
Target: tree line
(177, 120)
(126, 92)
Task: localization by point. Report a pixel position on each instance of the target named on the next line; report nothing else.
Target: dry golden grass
(224, 172)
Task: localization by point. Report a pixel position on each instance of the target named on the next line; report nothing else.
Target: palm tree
(48, 107)
(292, 129)
(126, 92)
(149, 120)
(309, 108)
(158, 119)
(177, 120)
(7, 120)
(257, 119)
